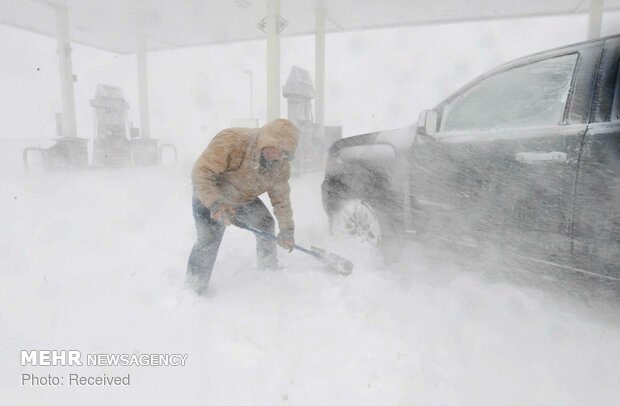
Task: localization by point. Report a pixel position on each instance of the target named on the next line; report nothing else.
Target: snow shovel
(334, 262)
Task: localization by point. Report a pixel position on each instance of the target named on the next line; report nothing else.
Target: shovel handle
(272, 237)
(340, 265)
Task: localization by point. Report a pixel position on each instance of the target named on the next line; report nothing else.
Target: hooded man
(237, 166)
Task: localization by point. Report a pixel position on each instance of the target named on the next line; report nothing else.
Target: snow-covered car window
(615, 109)
(526, 96)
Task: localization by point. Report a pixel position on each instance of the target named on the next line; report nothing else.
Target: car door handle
(541, 157)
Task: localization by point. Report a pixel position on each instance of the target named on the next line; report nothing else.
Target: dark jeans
(209, 236)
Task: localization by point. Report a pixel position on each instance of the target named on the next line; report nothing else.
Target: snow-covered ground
(95, 261)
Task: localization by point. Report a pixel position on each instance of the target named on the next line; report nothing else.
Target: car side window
(526, 96)
(615, 109)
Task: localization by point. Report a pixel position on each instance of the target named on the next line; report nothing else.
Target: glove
(223, 214)
(286, 240)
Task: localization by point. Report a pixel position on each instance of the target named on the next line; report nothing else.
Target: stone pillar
(319, 70)
(69, 127)
(273, 60)
(595, 19)
(143, 88)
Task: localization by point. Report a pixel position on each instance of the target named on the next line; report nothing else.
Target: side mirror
(427, 123)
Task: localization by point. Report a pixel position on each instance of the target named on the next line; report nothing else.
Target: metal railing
(41, 151)
(162, 147)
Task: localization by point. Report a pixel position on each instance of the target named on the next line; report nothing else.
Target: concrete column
(143, 88)
(319, 71)
(69, 127)
(249, 72)
(273, 60)
(595, 19)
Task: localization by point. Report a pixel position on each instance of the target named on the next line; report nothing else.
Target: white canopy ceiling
(114, 24)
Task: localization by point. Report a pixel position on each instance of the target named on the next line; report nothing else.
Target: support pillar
(143, 88)
(273, 60)
(319, 71)
(595, 19)
(143, 149)
(69, 127)
(69, 152)
(249, 72)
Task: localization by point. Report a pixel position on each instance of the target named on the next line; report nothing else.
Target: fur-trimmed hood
(281, 134)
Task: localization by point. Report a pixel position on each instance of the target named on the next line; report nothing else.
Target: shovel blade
(334, 262)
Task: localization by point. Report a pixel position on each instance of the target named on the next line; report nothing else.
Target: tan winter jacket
(229, 170)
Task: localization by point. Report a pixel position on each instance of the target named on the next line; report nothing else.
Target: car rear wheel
(357, 220)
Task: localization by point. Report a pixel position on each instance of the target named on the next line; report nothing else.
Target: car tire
(355, 219)
(358, 220)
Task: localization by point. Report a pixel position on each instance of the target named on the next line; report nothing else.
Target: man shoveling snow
(237, 166)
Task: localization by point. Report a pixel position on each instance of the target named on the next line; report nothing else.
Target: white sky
(375, 79)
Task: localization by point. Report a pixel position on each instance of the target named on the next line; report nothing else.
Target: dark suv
(525, 158)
